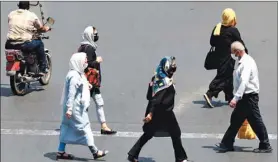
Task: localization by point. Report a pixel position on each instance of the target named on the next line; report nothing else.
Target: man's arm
(38, 25)
(244, 79)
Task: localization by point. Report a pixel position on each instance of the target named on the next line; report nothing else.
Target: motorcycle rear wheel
(18, 88)
(45, 79)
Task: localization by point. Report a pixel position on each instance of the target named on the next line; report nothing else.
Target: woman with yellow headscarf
(223, 35)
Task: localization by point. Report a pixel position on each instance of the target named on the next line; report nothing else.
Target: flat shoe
(108, 132)
(63, 156)
(97, 156)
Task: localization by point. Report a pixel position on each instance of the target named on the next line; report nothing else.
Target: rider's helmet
(25, 5)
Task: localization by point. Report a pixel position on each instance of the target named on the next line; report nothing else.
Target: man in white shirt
(245, 101)
(22, 24)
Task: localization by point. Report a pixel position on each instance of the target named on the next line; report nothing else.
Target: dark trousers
(38, 47)
(223, 81)
(247, 108)
(175, 134)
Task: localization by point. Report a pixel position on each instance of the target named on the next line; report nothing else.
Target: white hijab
(88, 37)
(78, 64)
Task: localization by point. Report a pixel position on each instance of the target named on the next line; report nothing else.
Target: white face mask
(234, 56)
(85, 65)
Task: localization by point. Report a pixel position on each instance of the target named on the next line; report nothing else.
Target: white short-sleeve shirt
(22, 23)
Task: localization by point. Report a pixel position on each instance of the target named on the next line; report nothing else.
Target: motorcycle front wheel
(17, 87)
(45, 79)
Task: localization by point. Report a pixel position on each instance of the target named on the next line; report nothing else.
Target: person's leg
(256, 122)
(42, 56)
(97, 97)
(218, 84)
(38, 47)
(62, 147)
(135, 150)
(97, 153)
(61, 154)
(237, 118)
(175, 133)
(29, 46)
(215, 87)
(228, 89)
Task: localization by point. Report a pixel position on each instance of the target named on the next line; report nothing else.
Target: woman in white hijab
(75, 127)
(89, 46)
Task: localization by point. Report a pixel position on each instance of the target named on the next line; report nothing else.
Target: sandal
(63, 156)
(104, 153)
(108, 132)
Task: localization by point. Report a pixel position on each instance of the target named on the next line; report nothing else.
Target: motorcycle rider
(22, 24)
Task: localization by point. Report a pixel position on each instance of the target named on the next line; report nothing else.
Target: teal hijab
(162, 79)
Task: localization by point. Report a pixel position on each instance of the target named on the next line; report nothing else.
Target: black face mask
(171, 71)
(96, 37)
(173, 67)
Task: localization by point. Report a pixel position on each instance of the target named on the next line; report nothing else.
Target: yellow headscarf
(228, 19)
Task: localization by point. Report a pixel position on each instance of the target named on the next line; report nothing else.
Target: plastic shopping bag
(246, 132)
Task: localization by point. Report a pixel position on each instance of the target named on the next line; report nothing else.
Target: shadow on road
(52, 156)
(215, 103)
(237, 149)
(7, 92)
(146, 159)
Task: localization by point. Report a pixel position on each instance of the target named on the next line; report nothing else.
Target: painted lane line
(119, 134)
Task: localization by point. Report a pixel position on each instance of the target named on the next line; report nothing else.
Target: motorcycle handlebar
(45, 37)
(35, 4)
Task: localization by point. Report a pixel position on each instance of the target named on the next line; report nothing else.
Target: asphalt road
(134, 36)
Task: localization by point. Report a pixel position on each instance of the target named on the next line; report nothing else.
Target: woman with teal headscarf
(159, 115)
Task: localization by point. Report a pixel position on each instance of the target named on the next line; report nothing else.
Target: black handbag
(211, 61)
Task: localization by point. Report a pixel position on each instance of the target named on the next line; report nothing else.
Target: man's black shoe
(263, 150)
(43, 72)
(132, 158)
(222, 148)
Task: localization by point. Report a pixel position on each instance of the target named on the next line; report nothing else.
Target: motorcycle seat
(13, 51)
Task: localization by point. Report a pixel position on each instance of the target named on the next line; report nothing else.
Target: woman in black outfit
(159, 114)
(223, 35)
(88, 45)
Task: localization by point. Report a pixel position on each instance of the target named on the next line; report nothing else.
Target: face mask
(85, 66)
(234, 56)
(96, 37)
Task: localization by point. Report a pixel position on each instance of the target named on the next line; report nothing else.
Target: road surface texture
(134, 36)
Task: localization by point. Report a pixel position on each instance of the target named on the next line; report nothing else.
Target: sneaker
(44, 72)
(222, 148)
(208, 100)
(97, 155)
(260, 150)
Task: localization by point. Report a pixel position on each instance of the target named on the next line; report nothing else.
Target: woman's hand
(90, 86)
(148, 118)
(69, 113)
(99, 59)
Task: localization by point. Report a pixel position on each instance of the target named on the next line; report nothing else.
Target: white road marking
(119, 134)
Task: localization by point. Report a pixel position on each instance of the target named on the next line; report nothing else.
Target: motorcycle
(23, 67)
